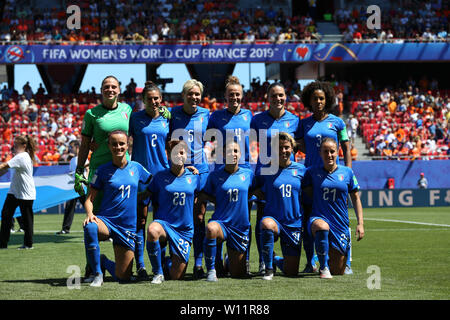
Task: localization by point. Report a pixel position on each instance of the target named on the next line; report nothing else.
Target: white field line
(409, 222)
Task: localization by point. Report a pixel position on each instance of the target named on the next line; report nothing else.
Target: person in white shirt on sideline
(22, 191)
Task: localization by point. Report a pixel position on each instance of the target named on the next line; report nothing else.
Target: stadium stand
(403, 122)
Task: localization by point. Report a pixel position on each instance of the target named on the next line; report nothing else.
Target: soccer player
(149, 130)
(282, 216)
(329, 222)
(22, 191)
(319, 98)
(174, 190)
(116, 219)
(189, 123)
(233, 122)
(228, 187)
(266, 124)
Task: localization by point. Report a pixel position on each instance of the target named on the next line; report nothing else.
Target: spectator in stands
(6, 114)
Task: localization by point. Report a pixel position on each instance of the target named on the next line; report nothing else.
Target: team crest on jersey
(164, 124)
(294, 172)
(244, 116)
(125, 115)
(242, 177)
(189, 180)
(329, 125)
(286, 124)
(341, 177)
(131, 173)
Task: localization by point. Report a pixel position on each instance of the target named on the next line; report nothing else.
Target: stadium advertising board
(221, 53)
(405, 198)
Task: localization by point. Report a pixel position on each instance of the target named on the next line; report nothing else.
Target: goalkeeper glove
(79, 180)
(165, 112)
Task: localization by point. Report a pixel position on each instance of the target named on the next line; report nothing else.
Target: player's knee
(212, 230)
(268, 224)
(153, 232)
(319, 225)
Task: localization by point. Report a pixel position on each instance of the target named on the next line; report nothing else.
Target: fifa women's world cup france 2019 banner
(224, 53)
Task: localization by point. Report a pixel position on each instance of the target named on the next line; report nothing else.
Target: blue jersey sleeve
(97, 181)
(307, 178)
(353, 183)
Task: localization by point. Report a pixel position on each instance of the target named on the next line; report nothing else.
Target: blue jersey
(313, 132)
(231, 194)
(191, 129)
(120, 189)
(264, 121)
(330, 194)
(175, 198)
(149, 141)
(282, 192)
(237, 125)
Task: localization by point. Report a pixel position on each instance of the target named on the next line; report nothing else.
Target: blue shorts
(337, 239)
(290, 238)
(121, 236)
(179, 242)
(236, 239)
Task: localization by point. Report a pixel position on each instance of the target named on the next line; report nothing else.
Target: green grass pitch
(406, 249)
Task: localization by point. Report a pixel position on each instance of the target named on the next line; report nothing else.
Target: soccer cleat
(268, 275)
(158, 279)
(142, 274)
(310, 269)
(97, 281)
(24, 247)
(198, 273)
(262, 268)
(211, 276)
(325, 273)
(348, 270)
(62, 232)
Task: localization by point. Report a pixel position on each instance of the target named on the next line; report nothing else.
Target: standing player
(282, 216)
(149, 130)
(233, 122)
(116, 219)
(267, 124)
(189, 123)
(175, 190)
(319, 98)
(329, 222)
(228, 187)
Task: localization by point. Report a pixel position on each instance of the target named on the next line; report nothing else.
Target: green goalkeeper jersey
(98, 122)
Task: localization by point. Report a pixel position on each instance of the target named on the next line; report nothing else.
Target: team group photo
(290, 150)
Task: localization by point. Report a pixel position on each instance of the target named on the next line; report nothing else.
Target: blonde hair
(188, 85)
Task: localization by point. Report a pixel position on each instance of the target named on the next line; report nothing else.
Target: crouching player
(174, 190)
(282, 213)
(116, 219)
(329, 223)
(228, 187)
